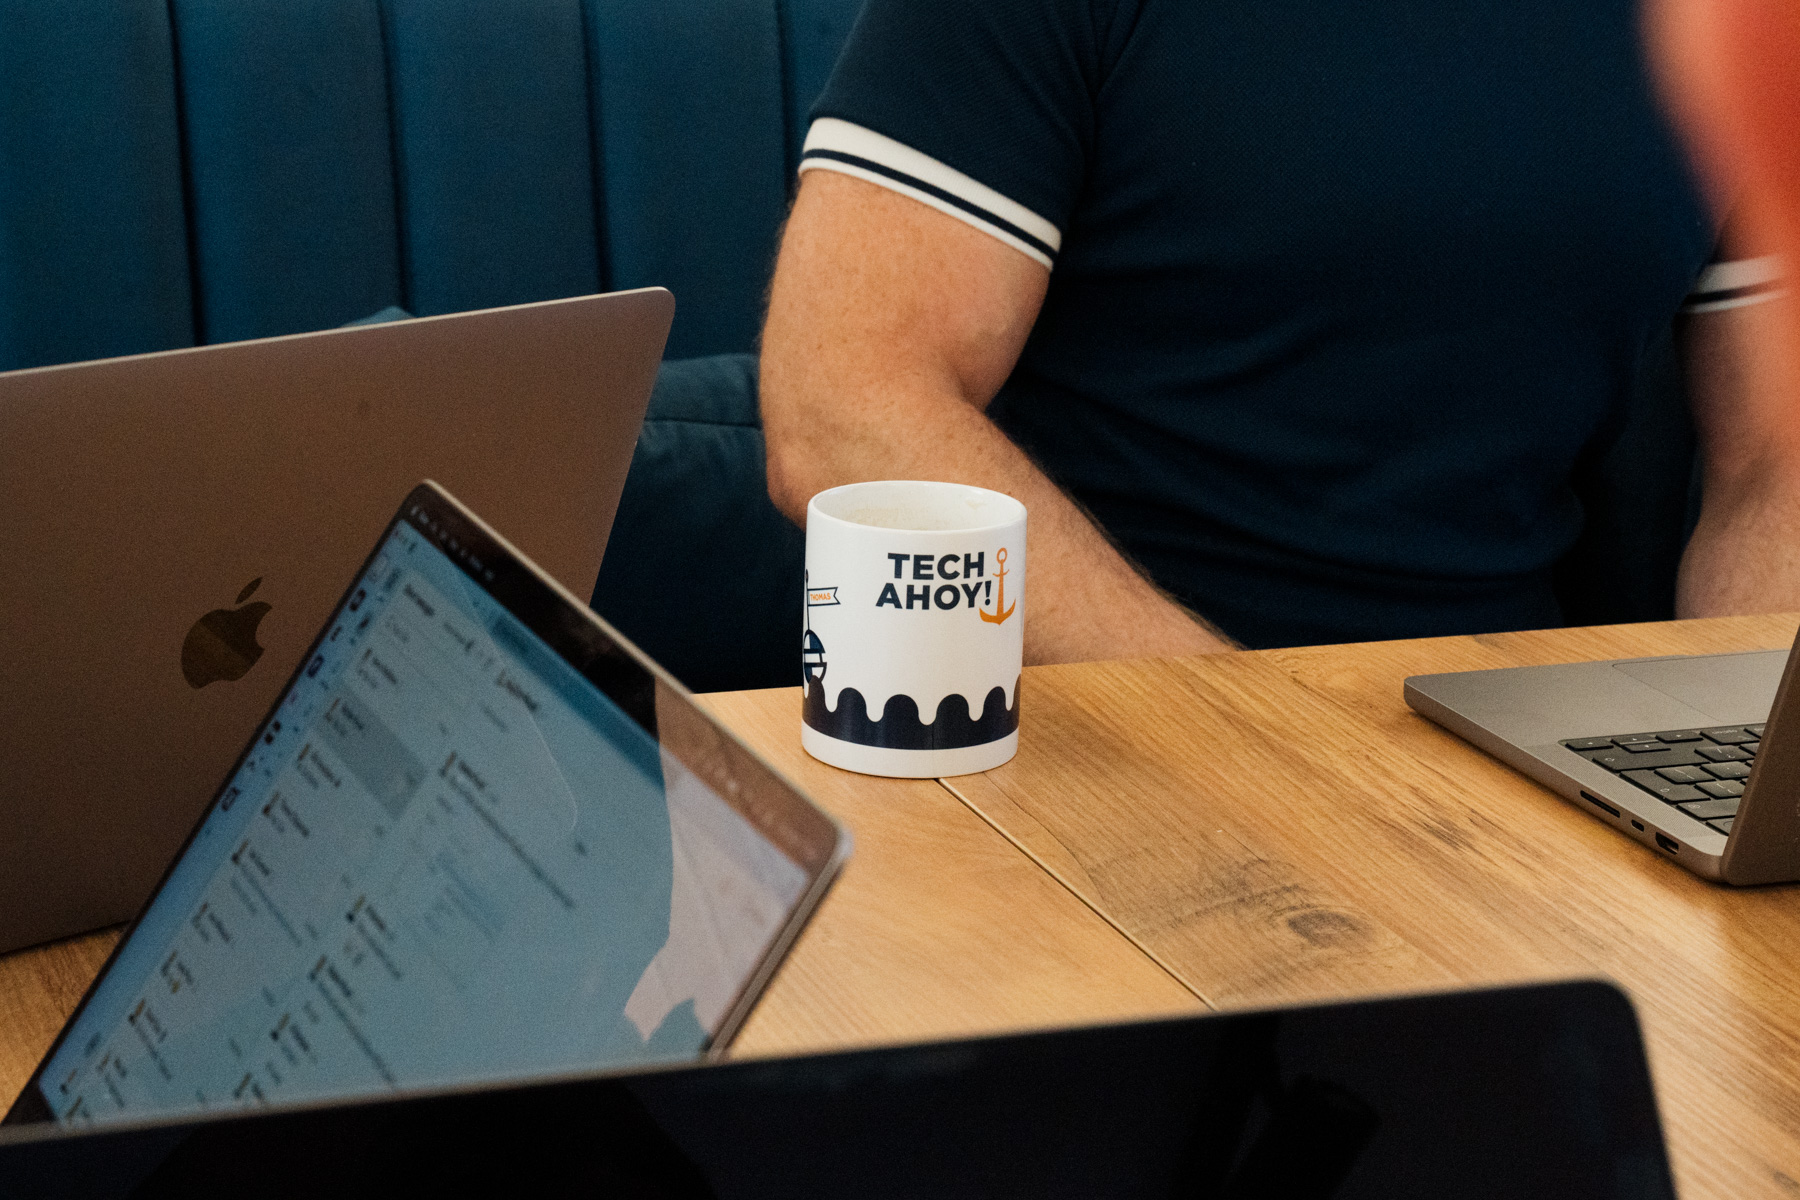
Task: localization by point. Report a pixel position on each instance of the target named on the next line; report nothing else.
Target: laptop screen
(1537, 1092)
(449, 856)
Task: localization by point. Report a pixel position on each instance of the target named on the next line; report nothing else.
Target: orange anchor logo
(1001, 609)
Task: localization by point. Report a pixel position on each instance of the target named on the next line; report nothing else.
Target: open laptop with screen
(477, 837)
(176, 525)
(1533, 1093)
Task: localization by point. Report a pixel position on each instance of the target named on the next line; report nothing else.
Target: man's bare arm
(1729, 69)
(1745, 553)
(891, 327)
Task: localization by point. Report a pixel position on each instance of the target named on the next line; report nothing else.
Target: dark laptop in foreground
(176, 526)
(477, 837)
(1695, 756)
(1536, 1093)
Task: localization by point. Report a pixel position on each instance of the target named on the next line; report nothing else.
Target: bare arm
(1745, 553)
(891, 327)
(1729, 68)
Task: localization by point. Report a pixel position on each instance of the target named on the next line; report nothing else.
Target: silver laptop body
(1528, 716)
(175, 526)
(477, 838)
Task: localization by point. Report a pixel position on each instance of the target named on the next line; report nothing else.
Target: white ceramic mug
(914, 628)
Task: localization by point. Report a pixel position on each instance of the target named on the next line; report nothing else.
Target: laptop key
(1708, 810)
(1728, 770)
(1674, 756)
(1662, 789)
(1679, 735)
(1724, 824)
(1589, 743)
(1722, 754)
(1685, 774)
(1729, 737)
(1723, 788)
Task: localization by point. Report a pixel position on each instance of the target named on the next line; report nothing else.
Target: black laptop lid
(1538, 1092)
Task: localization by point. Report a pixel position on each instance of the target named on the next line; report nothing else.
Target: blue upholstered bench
(175, 172)
(178, 172)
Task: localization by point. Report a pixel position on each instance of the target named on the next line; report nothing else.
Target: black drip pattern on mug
(900, 727)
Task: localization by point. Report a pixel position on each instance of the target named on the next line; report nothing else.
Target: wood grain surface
(939, 927)
(1269, 827)
(39, 988)
(1279, 826)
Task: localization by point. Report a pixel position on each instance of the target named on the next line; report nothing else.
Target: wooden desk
(1268, 827)
(939, 927)
(1278, 826)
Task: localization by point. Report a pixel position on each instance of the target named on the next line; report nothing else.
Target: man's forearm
(1086, 601)
(890, 328)
(1744, 556)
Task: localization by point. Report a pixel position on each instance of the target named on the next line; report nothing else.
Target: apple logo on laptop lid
(222, 645)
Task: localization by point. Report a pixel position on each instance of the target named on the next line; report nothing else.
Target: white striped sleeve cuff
(834, 145)
(1734, 284)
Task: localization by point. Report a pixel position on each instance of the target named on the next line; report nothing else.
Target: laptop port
(1668, 843)
(1597, 802)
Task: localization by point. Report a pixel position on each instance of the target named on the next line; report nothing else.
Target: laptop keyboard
(1702, 772)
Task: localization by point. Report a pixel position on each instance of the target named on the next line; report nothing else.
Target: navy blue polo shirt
(1339, 289)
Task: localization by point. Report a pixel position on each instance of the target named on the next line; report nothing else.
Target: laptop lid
(1537, 1092)
(477, 837)
(175, 527)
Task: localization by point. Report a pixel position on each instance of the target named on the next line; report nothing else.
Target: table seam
(1051, 871)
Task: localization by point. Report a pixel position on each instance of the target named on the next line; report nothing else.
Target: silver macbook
(1697, 757)
(173, 529)
(476, 837)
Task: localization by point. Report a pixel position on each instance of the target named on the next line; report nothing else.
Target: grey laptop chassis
(1521, 715)
(139, 494)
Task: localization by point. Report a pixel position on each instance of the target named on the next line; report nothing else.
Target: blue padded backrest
(292, 171)
(174, 171)
(490, 101)
(691, 111)
(813, 34)
(93, 241)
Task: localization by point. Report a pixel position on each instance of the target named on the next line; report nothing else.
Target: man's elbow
(803, 439)
(790, 474)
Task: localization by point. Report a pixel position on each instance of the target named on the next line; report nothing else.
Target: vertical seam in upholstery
(784, 62)
(184, 147)
(590, 71)
(403, 249)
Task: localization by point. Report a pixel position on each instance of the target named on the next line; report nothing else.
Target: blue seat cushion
(702, 571)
